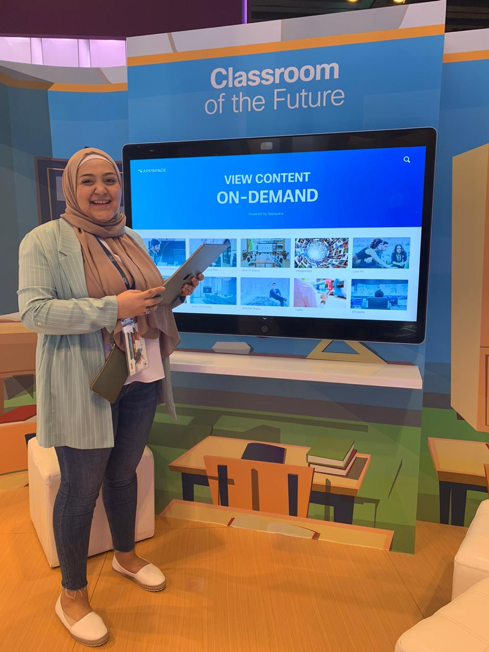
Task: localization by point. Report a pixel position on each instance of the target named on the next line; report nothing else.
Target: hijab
(102, 277)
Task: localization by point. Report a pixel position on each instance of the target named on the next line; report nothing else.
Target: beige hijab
(102, 277)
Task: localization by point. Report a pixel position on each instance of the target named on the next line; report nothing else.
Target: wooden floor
(229, 590)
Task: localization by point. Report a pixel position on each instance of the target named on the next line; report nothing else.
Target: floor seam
(205, 527)
(407, 588)
(98, 576)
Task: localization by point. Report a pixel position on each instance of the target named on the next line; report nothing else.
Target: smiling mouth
(104, 202)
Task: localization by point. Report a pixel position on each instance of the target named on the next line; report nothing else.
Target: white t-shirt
(155, 370)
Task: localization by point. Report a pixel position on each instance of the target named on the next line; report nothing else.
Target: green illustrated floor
(388, 495)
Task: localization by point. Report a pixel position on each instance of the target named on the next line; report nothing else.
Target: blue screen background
(355, 189)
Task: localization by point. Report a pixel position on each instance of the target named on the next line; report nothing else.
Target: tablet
(196, 264)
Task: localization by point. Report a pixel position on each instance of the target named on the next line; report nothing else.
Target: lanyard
(117, 266)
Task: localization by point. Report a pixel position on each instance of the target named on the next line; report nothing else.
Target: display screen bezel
(405, 332)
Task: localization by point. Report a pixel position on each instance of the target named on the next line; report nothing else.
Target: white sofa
(461, 626)
(472, 559)
(44, 480)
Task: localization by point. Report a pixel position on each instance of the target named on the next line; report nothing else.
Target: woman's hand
(134, 303)
(188, 288)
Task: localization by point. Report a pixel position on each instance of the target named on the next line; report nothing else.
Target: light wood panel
(353, 535)
(14, 512)
(428, 573)
(13, 480)
(228, 589)
(244, 591)
(165, 522)
(28, 592)
(470, 286)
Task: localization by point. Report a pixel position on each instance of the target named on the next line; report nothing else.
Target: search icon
(407, 159)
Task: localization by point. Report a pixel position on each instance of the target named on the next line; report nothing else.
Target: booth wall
(25, 134)
(388, 83)
(8, 253)
(31, 137)
(390, 80)
(87, 119)
(49, 113)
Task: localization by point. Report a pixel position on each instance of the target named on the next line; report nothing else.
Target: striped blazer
(54, 302)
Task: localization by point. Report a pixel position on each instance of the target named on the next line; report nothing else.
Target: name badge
(136, 356)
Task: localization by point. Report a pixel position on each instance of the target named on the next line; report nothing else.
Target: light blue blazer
(54, 302)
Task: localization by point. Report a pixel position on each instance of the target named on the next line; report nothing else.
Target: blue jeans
(84, 472)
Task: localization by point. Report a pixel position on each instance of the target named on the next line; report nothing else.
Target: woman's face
(399, 249)
(98, 190)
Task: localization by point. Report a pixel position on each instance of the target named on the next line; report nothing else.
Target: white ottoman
(44, 480)
(461, 626)
(472, 559)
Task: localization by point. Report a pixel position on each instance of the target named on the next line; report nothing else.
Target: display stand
(323, 371)
(357, 352)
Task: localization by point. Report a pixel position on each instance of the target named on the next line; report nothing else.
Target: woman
(79, 277)
(371, 256)
(399, 257)
(304, 294)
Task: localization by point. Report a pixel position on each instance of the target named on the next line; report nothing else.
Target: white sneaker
(149, 578)
(89, 630)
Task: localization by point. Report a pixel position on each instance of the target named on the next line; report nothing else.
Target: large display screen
(330, 241)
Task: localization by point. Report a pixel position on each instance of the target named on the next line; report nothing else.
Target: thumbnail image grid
(228, 258)
(216, 290)
(166, 252)
(265, 292)
(313, 253)
(322, 293)
(381, 253)
(367, 294)
(265, 252)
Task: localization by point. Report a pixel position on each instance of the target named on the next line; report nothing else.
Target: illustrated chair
(259, 486)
